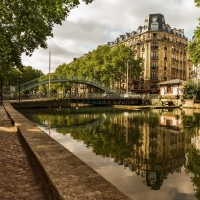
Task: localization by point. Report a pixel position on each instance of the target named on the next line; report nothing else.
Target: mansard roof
(170, 82)
(152, 22)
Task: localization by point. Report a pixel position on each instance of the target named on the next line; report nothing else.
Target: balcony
(154, 47)
(173, 59)
(165, 38)
(154, 57)
(193, 72)
(154, 67)
(154, 77)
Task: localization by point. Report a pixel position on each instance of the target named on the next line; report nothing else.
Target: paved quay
(63, 175)
(19, 180)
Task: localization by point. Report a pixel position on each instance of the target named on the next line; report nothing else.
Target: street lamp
(19, 86)
(1, 90)
(9, 72)
(127, 66)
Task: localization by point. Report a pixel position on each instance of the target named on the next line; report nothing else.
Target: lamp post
(49, 86)
(19, 87)
(9, 72)
(127, 66)
(1, 89)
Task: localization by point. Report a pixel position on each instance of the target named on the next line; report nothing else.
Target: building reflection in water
(162, 152)
(152, 144)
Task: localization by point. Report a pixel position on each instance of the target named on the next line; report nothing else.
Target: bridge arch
(74, 79)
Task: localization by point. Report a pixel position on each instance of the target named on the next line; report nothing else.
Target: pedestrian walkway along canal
(144, 153)
(19, 179)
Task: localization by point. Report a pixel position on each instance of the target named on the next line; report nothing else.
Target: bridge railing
(61, 78)
(44, 96)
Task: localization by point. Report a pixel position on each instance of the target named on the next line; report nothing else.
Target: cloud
(91, 25)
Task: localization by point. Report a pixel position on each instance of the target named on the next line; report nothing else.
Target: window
(155, 35)
(154, 26)
(154, 74)
(142, 85)
(154, 44)
(154, 54)
(154, 64)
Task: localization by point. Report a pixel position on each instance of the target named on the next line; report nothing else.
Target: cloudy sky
(91, 25)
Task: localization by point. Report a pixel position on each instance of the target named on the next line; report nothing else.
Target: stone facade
(163, 50)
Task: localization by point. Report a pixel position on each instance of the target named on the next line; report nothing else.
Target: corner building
(163, 50)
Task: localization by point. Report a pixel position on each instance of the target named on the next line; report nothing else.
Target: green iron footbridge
(73, 79)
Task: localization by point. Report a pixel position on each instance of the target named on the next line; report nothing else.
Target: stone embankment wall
(64, 175)
(190, 103)
(65, 103)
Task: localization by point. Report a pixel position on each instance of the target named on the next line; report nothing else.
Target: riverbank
(19, 179)
(141, 107)
(63, 174)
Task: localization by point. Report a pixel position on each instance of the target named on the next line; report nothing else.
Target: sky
(102, 21)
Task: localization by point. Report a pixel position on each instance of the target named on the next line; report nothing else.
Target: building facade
(163, 50)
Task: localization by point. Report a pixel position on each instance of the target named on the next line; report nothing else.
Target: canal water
(147, 154)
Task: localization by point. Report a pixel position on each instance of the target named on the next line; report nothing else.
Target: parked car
(132, 95)
(105, 94)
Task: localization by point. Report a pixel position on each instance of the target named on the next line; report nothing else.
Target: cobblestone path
(18, 178)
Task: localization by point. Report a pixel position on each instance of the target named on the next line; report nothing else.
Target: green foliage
(27, 24)
(12, 76)
(194, 46)
(191, 89)
(104, 64)
(193, 166)
(28, 74)
(106, 138)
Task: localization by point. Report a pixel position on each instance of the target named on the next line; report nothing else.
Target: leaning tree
(194, 45)
(27, 24)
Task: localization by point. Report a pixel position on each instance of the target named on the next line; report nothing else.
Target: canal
(147, 154)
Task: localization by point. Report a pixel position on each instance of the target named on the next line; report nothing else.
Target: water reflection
(152, 144)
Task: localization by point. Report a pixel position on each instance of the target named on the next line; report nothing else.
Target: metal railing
(75, 79)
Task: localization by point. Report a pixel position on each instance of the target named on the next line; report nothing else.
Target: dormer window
(154, 35)
(154, 26)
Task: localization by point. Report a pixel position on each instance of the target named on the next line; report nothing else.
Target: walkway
(19, 179)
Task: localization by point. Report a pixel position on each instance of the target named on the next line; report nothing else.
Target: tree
(27, 24)
(194, 45)
(28, 74)
(191, 89)
(193, 167)
(123, 57)
(105, 64)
